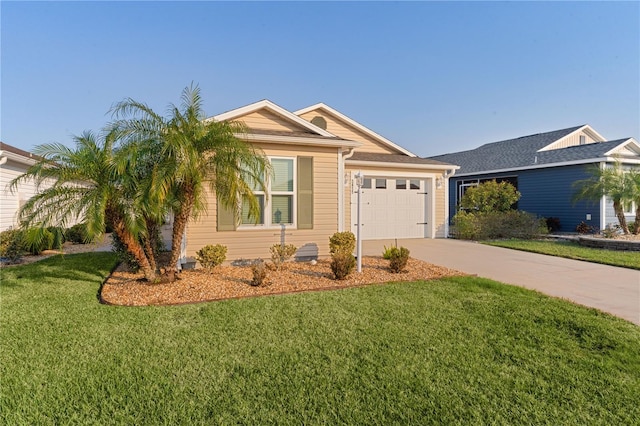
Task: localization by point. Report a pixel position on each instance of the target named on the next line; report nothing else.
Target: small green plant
(342, 242)
(11, 245)
(342, 265)
(211, 256)
(386, 253)
(280, 253)
(37, 240)
(398, 258)
(465, 226)
(611, 231)
(77, 234)
(259, 270)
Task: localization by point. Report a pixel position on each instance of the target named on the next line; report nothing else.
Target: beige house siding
(267, 120)
(344, 131)
(573, 140)
(254, 242)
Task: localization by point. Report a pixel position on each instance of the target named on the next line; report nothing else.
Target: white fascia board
(17, 158)
(299, 140)
(362, 163)
(355, 124)
(586, 128)
(630, 141)
(266, 104)
(541, 166)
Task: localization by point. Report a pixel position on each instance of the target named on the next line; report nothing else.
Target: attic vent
(320, 122)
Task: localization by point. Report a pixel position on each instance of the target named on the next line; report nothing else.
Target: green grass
(459, 350)
(573, 250)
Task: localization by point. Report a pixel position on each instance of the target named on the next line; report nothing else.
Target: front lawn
(573, 250)
(456, 350)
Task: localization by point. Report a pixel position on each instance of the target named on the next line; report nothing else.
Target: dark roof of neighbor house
(395, 158)
(523, 152)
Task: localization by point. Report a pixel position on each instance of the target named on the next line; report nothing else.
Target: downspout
(446, 175)
(603, 204)
(341, 184)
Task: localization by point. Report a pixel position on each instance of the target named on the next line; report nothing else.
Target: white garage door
(392, 208)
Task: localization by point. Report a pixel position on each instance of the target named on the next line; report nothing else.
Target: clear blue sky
(432, 77)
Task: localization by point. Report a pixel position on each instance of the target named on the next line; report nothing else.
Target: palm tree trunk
(636, 224)
(617, 207)
(180, 220)
(134, 247)
(150, 242)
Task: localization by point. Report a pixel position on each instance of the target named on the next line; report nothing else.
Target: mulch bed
(228, 282)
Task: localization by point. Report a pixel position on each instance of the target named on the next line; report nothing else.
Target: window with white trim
(277, 208)
(629, 207)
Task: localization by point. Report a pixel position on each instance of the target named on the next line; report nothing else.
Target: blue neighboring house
(544, 167)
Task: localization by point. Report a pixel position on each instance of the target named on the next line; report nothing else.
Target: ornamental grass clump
(398, 258)
(259, 270)
(211, 256)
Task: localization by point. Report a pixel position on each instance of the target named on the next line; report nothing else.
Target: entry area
(392, 207)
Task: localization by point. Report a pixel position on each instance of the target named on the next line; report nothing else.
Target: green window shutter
(305, 193)
(226, 218)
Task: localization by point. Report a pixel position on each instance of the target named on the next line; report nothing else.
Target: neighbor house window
(629, 207)
(278, 207)
(583, 140)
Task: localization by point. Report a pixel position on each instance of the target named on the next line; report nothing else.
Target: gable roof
(356, 125)
(278, 110)
(530, 152)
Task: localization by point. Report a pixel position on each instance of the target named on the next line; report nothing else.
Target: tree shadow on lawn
(82, 267)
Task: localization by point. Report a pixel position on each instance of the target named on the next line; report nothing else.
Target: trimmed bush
(281, 253)
(259, 270)
(583, 228)
(77, 234)
(342, 242)
(495, 225)
(11, 245)
(342, 265)
(553, 224)
(398, 258)
(211, 256)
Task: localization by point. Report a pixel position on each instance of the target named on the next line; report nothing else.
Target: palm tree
(611, 182)
(193, 153)
(633, 175)
(86, 183)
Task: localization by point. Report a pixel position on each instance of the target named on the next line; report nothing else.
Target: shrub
(465, 226)
(611, 231)
(583, 228)
(211, 256)
(342, 242)
(553, 224)
(490, 196)
(342, 265)
(37, 240)
(494, 225)
(11, 245)
(280, 253)
(77, 234)
(398, 259)
(259, 270)
(58, 236)
(386, 253)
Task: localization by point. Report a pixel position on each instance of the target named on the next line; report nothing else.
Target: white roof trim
(400, 165)
(266, 104)
(299, 140)
(17, 158)
(357, 125)
(586, 128)
(630, 141)
(607, 159)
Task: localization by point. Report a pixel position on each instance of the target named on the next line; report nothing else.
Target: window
(583, 140)
(401, 184)
(629, 207)
(279, 206)
(381, 184)
(366, 183)
(414, 184)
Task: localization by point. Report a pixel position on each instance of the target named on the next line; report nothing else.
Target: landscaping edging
(609, 244)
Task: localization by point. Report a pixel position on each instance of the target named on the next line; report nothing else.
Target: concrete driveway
(608, 288)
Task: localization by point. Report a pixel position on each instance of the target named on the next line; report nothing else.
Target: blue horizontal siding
(546, 193)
